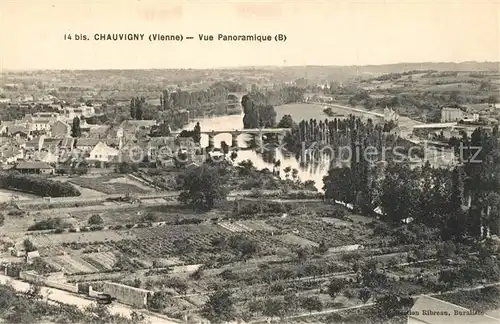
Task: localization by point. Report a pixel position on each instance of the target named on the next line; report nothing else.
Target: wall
(31, 276)
(62, 286)
(93, 293)
(12, 272)
(186, 268)
(345, 248)
(127, 295)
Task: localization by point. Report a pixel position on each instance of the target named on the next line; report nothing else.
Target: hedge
(37, 185)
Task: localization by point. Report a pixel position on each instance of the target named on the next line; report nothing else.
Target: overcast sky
(318, 33)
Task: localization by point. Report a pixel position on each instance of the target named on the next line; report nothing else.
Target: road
(61, 296)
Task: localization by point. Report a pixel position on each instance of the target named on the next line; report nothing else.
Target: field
(333, 234)
(111, 184)
(253, 258)
(305, 111)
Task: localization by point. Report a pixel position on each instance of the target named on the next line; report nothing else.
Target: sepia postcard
(290, 161)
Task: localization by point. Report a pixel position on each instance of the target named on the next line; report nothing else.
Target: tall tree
(197, 133)
(133, 108)
(76, 130)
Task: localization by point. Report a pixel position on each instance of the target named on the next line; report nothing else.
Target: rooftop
(32, 165)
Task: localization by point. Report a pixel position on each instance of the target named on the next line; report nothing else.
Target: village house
(451, 115)
(42, 122)
(85, 144)
(450, 132)
(4, 127)
(83, 111)
(45, 114)
(32, 146)
(19, 131)
(67, 144)
(161, 148)
(34, 167)
(103, 153)
(390, 115)
(46, 156)
(98, 131)
(113, 142)
(30, 256)
(9, 154)
(131, 128)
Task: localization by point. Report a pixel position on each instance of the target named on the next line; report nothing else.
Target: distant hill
(344, 72)
(159, 78)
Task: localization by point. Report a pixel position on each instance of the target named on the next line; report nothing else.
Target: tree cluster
(350, 132)
(204, 186)
(461, 202)
(258, 113)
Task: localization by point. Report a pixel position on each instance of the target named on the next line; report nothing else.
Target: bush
(149, 217)
(337, 211)
(51, 223)
(95, 219)
(28, 246)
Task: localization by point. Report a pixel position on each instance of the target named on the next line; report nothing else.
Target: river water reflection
(310, 171)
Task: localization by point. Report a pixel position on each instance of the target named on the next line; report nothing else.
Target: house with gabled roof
(103, 153)
(86, 144)
(37, 167)
(18, 131)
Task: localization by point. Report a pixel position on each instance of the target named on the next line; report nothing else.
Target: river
(311, 171)
(308, 171)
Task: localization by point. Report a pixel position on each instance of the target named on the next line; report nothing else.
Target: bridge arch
(218, 137)
(233, 97)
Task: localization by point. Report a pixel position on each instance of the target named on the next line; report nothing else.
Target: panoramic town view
(354, 194)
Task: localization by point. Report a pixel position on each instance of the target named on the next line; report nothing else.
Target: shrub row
(37, 185)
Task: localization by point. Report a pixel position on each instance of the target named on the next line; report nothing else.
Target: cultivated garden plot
(72, 264)
(112, 184)
(292, 239)
(318, 231)
(51, 240)
(190, 242)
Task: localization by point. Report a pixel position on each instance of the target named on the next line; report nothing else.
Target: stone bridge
(235, 96)
(281, 132)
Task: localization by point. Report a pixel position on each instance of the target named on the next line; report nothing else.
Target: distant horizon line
(249, 66)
